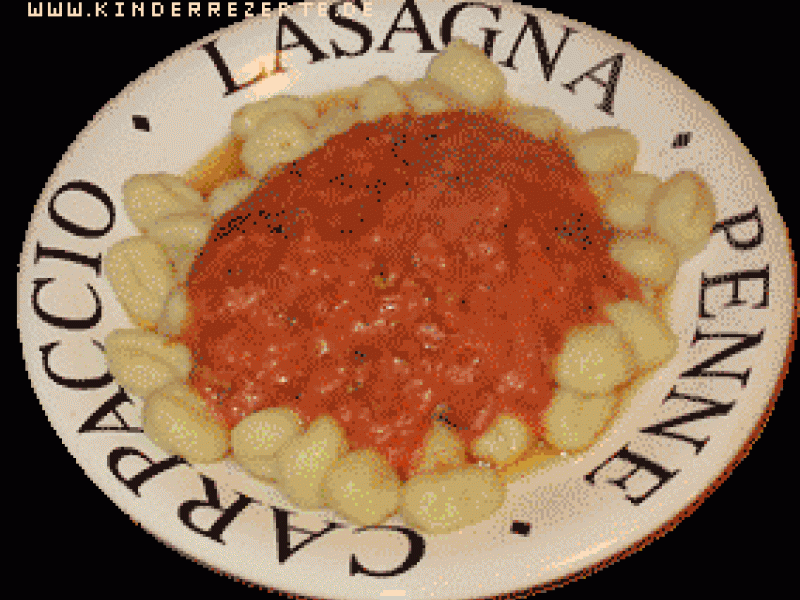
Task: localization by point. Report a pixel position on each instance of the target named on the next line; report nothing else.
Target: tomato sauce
(412, 267)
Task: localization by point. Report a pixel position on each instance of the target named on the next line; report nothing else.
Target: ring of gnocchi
(452, 480)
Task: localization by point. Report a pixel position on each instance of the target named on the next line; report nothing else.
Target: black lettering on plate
(610, 86)
(225, 73)
(227, 77)
(446, 29)
(141, 123)
(93, 262)
(728, 226)
(734, 279)
(155, 468)
(418, 28)
(63, 322)
(548, 64)
(639, 462)
(302, 40)
(416, 551)
(282, 527)
(226, 517)
(92, 383)
(714, 409)
(682, 140)
(521, 528)
(746, 342)
(362, 30)
(73, 228)
(488, 41)
(109, 407)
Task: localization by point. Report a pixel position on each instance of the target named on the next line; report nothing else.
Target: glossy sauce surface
(409, 264)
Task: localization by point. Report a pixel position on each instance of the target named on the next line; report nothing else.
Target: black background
(65, 70)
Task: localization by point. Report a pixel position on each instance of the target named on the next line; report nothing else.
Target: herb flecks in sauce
(409, 263)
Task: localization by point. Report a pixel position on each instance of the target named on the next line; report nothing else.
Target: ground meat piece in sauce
(409, 263)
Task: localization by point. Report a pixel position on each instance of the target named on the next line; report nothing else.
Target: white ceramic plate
(451, 569)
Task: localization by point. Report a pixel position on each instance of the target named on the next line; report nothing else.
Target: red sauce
(409, 263)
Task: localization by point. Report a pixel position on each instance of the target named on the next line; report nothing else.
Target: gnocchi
(664, 305)
(175, 315)
(334, 122)
(147, 198)
(467, 72)
(594, 360)
(649, 338)
(573, 421)
(257, 438)
(229, 194)
(649, 259)
(143, 361)
(304, 461)
(541, 122)
(363, 487)
(140, 274)
(178, 421)
(246, 120)
(379, 98)
(181, 236)
(424, 100)
(444, 502)
(605, 150)
(505, 441)
(628, 200)
(683, 213)
(441, 450)
(658, 225)
(278, 138)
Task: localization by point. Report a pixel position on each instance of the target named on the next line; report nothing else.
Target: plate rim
(725, 470)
